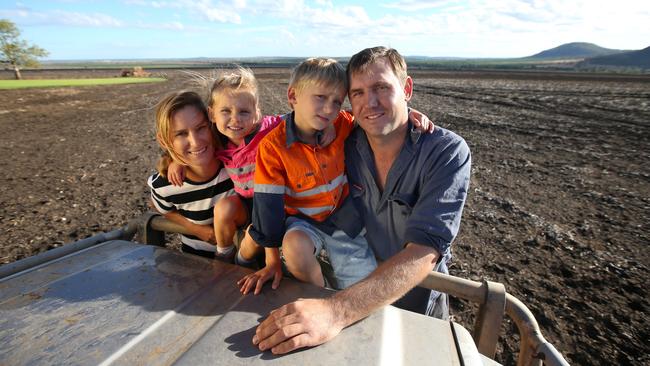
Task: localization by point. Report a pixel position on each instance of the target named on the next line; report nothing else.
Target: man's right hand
(302, 323)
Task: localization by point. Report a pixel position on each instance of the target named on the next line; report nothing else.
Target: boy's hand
(258, 279)
(420, 121)
(329, 134)
(175, 174)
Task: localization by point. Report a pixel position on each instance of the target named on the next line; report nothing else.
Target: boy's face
(316, 106)
(235, 114)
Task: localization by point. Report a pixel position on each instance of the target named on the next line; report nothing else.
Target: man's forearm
(389, 282)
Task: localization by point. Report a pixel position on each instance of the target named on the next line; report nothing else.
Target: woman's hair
(239, 79)
(165, 111)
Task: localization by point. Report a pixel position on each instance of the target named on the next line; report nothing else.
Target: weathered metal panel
(126, 303)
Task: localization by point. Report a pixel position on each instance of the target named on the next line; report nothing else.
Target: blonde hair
(239, 79)
(360, 61)
(165, 111)
(320, 71)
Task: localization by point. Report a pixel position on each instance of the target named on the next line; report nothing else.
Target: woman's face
(191, 137)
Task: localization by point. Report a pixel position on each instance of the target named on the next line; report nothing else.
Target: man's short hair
(360, 61)
(319, 71)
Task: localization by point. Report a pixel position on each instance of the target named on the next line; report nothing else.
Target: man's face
(379, 100)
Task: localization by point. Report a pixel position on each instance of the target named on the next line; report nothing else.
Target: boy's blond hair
(318, 71)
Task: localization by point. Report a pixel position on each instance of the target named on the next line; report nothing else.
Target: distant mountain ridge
(574, 50)
(640, 58)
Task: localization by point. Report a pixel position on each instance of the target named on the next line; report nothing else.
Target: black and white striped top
(193, 200)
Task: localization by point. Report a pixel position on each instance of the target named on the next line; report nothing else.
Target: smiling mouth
(374, 116)
(233, 128)
(199, 152)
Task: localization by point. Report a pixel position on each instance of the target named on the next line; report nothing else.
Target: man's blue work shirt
(424, 195)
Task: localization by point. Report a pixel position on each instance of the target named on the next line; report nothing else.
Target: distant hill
(639, 58)
(574, 50)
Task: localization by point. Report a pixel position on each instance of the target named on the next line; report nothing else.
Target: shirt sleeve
(436, 214)
(159, 201)
(268, 200)
(346, 124)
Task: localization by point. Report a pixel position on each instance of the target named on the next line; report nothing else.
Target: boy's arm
(268, 215)
(176, 173)
(273, 269)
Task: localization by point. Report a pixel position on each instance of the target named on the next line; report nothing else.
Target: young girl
(185, 134)
(233, 108)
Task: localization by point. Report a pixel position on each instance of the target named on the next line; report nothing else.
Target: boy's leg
(229, 213)
(299, 245)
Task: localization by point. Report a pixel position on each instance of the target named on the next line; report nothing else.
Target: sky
(141, 29)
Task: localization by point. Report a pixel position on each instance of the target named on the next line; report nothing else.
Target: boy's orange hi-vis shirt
(297, 179)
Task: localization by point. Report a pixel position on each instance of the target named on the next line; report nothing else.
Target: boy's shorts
(351, 259)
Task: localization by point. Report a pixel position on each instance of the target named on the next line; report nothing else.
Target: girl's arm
(273, 269)
(175, 173)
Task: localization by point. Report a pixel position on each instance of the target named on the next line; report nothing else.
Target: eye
(180, 134)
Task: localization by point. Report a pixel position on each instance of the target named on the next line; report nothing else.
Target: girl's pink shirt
(240, 160)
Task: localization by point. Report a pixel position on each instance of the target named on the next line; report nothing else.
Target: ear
(408, 88)
(291, 96)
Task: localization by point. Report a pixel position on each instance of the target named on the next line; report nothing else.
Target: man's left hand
(302, 323)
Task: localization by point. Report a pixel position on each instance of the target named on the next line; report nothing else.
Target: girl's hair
(165, 111)
(240, 78)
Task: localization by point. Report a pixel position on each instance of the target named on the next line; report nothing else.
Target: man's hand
(421, 122)
(175, 174)
(302, 323)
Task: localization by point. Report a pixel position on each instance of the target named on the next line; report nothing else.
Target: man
(410, 189)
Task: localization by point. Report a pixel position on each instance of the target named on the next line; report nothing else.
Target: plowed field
(559, 205)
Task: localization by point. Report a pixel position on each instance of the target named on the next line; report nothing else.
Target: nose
(372, 100)
(192, 138)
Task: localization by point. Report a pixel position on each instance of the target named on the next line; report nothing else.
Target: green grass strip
(50, 83)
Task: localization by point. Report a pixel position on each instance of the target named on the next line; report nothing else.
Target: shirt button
(324, 165)
(299, 185)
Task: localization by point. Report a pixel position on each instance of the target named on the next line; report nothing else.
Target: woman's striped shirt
(193, 200)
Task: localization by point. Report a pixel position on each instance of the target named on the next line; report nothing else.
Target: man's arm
(310, 322)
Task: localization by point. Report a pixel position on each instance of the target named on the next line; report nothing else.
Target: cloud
(64, 18)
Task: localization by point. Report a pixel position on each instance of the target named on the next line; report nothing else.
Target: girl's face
(191, 137)
(235, 114)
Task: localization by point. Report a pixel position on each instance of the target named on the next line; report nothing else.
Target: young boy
(301, 188)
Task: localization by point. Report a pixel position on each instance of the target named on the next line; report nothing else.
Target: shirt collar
(292, 130)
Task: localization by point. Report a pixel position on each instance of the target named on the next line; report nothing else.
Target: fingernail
(255, 339)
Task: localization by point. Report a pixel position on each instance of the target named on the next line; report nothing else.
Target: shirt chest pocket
(301, 178)
(403, 203)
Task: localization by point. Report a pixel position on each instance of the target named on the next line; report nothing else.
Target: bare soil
(559, 206)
